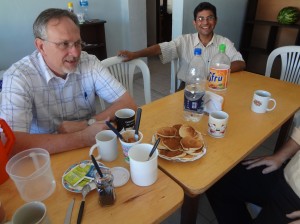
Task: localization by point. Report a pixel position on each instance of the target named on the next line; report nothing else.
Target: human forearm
(287, 151)
(237, 66)
(146, 52)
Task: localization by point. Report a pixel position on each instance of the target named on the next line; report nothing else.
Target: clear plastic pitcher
(32, 174)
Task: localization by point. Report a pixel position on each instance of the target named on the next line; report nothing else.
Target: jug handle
(10, 137)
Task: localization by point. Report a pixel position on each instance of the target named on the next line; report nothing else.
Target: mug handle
(91, 152)
(274, 101)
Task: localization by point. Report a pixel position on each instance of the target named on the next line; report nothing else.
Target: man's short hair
(41, 22)
(205, 6)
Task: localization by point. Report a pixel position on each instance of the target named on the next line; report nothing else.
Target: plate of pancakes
(180, 143)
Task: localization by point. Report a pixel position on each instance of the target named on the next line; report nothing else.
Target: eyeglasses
(67, 45)
(208, 18)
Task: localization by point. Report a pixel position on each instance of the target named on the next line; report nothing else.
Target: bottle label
(194, 102)
(218, 78)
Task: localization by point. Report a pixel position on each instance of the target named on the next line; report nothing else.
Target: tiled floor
(160, 87)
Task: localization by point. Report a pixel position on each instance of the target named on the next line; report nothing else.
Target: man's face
(205, 23)
(61, 50)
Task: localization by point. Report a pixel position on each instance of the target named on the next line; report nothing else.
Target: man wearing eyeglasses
(48, 97)
(205, 20)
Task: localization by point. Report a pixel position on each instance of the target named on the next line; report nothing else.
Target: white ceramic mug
(31, 212)
(217, 124)
(106, 145)
(143, 172)
(260, 102)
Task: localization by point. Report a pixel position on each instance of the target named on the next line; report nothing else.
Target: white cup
(260, 102)
(217, 124)
(34, 212)
(106, 145)
(143, 172)
(126, 145)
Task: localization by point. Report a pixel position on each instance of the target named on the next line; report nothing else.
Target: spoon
(114, 130)
(85, 190)
(137, 123)
(153, 149)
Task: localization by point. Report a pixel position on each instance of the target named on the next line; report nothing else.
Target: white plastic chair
(175, 82)
(290, 63)
(125, 71)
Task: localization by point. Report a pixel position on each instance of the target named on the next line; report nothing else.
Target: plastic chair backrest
(175, 82)
(124, 72)
(290, 63)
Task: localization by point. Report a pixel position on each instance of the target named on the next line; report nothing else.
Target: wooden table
(246, 131)
(134, 204)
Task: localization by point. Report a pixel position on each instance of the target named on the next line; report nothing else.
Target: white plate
(77, 188)
(121, 176)
(190, 159)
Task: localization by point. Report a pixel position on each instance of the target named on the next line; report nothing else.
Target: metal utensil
(69, 212)
(137, 123)
(114, 130)
(85, 190)
(154, 148)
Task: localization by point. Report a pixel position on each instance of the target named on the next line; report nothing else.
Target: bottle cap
(222, 48)
(197, 51)
(70, 4)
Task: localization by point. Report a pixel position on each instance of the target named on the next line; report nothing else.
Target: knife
(69, 212)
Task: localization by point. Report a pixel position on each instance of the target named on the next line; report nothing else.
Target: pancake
(190, 143)
(172, 154)
(167, 132)
(172, 144)
(177, 126)
(186, 130)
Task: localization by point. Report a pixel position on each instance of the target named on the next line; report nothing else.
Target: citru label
(218, 78)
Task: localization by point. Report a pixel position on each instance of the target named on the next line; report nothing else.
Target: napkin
(212, 102)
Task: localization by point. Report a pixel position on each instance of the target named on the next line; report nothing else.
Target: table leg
(283, 133)
(189, 209)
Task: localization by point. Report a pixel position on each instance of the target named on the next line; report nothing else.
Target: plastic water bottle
(70, 7)
(194, 91)
(84, 5)
(219, 70)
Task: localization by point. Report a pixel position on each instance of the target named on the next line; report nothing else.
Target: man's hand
(272, 163)
(71, 126)
(294, 215)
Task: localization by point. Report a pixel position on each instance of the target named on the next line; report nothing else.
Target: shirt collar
(197, 42)
(46, 71)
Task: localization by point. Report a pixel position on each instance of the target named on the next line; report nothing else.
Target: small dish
(121, 176)
(77, 188)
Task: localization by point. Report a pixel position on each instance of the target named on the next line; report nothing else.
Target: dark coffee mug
(125, 119)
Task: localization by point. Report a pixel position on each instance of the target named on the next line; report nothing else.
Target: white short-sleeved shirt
(292, 169)
(183, 49)
(34, 100)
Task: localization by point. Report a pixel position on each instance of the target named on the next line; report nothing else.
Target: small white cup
(143, 172)
(129, 134)
(217, 124)
(260, 102)
(31, 212)
(106, 144)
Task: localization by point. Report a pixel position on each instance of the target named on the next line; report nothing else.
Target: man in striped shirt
(205, 20)
(48, 97)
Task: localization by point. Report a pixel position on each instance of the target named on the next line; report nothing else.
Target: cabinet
(273, 31)
(93, 34)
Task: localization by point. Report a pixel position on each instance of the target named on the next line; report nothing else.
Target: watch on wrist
(91, 121)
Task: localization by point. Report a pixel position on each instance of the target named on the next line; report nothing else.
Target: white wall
(17, 17)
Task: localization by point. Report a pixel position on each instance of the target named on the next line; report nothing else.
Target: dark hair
(41, 22)
(205, 6)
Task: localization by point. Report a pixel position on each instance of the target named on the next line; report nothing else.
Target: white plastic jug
(32, 174)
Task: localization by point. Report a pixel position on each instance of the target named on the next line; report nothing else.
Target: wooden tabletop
(134, 204)
(246, 129)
